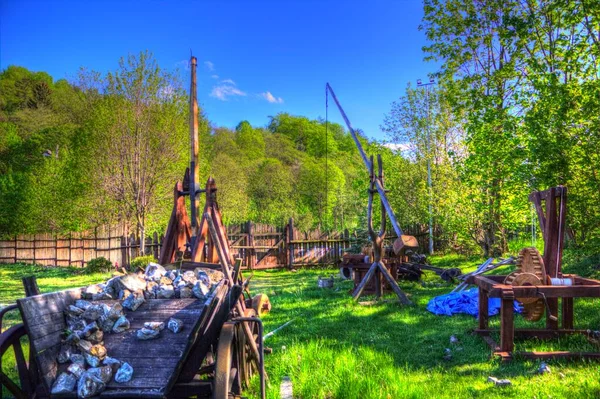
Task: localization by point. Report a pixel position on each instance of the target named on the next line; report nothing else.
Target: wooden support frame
(378, 269)
(551, 209)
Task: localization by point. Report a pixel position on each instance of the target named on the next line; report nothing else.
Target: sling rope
(326, 149)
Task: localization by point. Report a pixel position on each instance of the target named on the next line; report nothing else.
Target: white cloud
(402, 147)
(183, 63)
(209, 65)
(225, 90)
(214, 76)
(271, 98)
(228, 81)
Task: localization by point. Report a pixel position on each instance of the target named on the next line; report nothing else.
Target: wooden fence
(260, 246)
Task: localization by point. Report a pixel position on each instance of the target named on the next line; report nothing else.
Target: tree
(140, 137)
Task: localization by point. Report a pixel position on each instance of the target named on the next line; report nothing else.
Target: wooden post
(16, 249)
(95, 242)
(567, 313)
(194, 164)
(483, 310)
(55, 250)
(124, 260)
(34, 245)
(69, 249)
(507, 327)
(251, 251)
(155, 245)
(290, 244)
(30, 286)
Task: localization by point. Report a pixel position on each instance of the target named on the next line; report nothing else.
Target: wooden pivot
(378, 269)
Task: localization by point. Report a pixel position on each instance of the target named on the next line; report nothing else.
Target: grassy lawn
(336, 348)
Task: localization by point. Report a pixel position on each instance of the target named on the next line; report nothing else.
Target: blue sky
(257, 58)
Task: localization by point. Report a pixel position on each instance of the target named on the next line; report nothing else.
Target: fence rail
(260, 246)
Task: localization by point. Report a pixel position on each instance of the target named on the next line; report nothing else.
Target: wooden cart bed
(156, 363)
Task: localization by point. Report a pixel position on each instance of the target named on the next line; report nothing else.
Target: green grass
(49, 280)
(336, 348)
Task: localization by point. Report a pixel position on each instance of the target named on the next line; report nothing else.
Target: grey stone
(64, 353)
(147, 333)
(189, 277)
(74, 311)
(172, 274)
(104, 373)
(82, 304)
(112, 362)
(90, 329)
(154, 271)
(175, 325)
(96, 337)
(544, 368)
(92, 289)
(84, 345)
(121, 325)
(185, 292)
(115, 311)
(124, 294)
(124, 373)
(499, 383)
(93, 361)
(93, 312)
(203, 276)
(77, 358)
(214, 275)
(453, 339)
(165, 292)
(154, 325)
(200, 290)
(75, 323)
(76, 369)
(65, 383)
(131, 282)
(102, 296)
(89, 385)
(164, 280)
(134, 301)
(106, 324)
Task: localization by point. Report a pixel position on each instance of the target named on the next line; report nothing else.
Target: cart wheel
(11, 338)
(247, 364)
(227, 376)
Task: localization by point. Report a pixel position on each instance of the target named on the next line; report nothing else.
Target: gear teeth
(530, 261)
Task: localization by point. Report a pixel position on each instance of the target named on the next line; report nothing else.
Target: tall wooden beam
(194, 164)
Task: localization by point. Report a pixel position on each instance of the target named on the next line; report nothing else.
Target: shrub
(141, 261)
(99, 265)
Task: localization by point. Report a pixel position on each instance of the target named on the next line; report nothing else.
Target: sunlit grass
(336, 348)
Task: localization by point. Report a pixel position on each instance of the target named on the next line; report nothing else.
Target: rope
(326, 149)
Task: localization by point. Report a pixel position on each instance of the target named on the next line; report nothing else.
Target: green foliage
(99, 265)
(141, 262)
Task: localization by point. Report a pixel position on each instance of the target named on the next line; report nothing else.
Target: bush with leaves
(99, 265)
(141, 261)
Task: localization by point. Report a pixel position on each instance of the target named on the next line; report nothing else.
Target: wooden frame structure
(551, 208)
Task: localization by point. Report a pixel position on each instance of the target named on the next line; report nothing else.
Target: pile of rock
(90, 368)
(155, 283)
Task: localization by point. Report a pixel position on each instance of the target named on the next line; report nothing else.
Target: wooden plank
(483, 309)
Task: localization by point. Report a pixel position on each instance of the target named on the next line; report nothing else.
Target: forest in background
(514, 110)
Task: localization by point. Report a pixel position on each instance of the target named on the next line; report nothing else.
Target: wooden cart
(210, 358)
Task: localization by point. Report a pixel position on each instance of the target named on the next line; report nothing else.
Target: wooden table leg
(553, 306)
(507, 326)
(567, 313)
(483, 309)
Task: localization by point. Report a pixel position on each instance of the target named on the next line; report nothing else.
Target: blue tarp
(464, 302)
